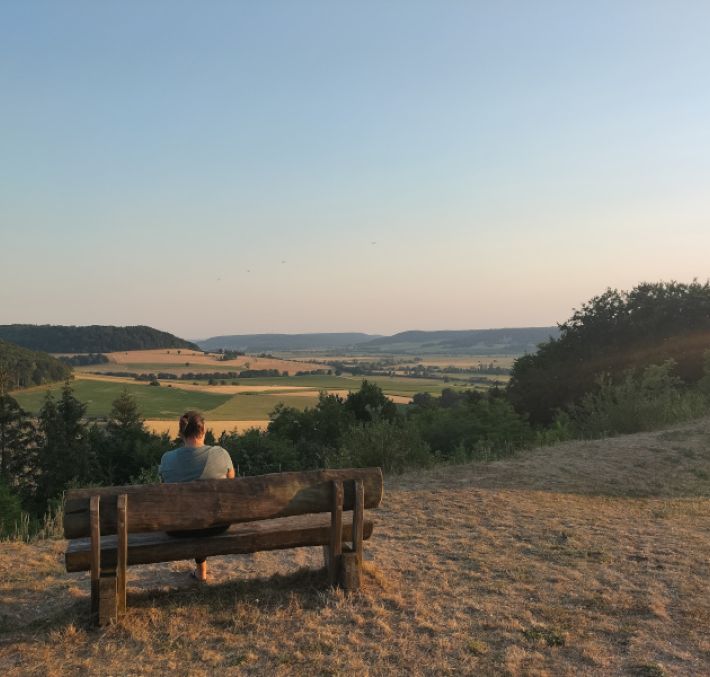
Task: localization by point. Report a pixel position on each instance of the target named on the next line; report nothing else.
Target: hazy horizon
(308, 167)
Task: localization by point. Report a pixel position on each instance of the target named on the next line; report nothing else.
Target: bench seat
(111, 528)
(275, 534)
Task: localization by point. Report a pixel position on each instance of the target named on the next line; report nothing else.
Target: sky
(214, 168)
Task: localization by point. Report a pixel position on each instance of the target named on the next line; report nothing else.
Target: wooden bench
(112, 528)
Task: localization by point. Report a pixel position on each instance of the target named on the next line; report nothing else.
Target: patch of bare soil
(590, 558)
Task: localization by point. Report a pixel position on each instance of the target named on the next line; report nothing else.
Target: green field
(152, 402)
(166, 402)
(256, 406)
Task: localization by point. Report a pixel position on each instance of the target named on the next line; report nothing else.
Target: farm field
(191, 361)
(408, 360)
(233, 403)
(217, 427)
(231, 400)
(152, 402)
(588, 558)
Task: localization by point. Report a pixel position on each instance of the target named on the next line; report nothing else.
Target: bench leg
(351, 572)
(107, 612)
(351, 562)
(121, 554)
(95, 529)
(336, 533)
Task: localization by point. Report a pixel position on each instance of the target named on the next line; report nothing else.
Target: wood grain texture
(336, 531)
(94, 552)
(121, 553)
(350, 571)
(206, 503)
(107, 600)
(289, 532)
(358, 516)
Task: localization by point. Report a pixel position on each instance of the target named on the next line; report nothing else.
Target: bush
(393, 446)
(648, 400)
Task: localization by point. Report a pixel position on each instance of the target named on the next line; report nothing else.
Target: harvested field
(170, 360)
(590, 558)
(217, 427)
(234, 390)
(397, 399)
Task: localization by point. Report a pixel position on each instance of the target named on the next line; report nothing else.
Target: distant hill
(255, 343)
(21, 368)
(513, 341)
(466, 342)
(92, 339)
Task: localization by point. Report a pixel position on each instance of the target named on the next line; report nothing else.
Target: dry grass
(200, 361)
(589, 558)
(217, 427)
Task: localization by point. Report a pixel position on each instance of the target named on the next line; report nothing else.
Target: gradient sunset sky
(233, 167)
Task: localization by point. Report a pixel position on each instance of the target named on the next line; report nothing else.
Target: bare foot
(195, 574)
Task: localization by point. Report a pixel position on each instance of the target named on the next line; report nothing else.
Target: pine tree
(128, 448)
(18, 462)
(65, 456)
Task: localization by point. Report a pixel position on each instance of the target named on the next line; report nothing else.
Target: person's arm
(230, 474)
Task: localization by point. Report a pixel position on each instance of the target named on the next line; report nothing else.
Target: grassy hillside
(589, 558)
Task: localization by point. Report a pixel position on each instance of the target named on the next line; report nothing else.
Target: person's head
(192, 427)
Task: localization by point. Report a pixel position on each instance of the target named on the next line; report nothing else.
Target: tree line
(21, 368)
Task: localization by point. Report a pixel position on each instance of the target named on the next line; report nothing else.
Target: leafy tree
(370, 404)
(610, 334)
(256, 452)
(458, 428)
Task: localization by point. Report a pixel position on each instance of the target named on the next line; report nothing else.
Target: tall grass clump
(639, 401)
(18, 525)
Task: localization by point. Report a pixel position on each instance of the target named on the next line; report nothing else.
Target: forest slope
(92, 339)
(583, 559)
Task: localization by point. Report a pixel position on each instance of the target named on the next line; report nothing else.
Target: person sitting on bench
(196, 461)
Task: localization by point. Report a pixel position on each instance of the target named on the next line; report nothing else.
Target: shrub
(394, 446)
(648, 400)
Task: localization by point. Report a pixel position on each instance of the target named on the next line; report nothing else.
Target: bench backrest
(206, 503)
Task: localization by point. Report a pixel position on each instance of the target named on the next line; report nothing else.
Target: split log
(207, 503)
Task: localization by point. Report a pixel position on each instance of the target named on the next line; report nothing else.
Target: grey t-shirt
(195, 463)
